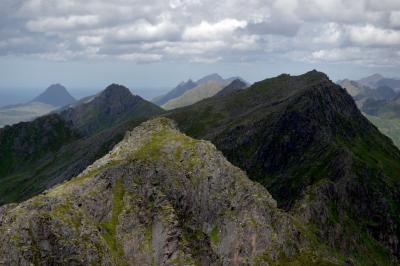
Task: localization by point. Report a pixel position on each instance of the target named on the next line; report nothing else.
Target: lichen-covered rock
(158, 198)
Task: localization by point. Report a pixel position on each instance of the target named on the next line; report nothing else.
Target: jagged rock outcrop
(158, 198)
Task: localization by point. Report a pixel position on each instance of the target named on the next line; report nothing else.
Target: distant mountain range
(377, 80)
(174, 93)
(362, 92)
(51, 99)
(190, 92)
(378, 101)
(152, 195)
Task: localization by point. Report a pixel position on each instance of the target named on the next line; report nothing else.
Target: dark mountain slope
(176, 92)
(383, 108)
(27, 141)
(56, 95)
(25, 145)
(54, 167)
(158, 198)
(40, 154)
(113, 106)
(235, 85)
(305, 140)
(393, 83)
(384, 92)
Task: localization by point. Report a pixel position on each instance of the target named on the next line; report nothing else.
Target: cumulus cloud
(62, 23)
(371, 35)
(140, 58)
(213, 31)
(203, 31)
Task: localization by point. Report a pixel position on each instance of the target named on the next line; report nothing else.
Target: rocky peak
(115, 91)
(113, 105)
(56, 95)
(315, 75)
(159, 197)
(135, 139)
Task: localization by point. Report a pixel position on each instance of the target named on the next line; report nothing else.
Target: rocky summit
(158, 198)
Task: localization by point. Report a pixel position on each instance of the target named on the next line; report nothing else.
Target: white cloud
(330, 33)
(337, 54)
(213, 31)
(371, 35)
(395, 19)
(142, 30)
(62, 23)
(201, 30)
(90, 40)
(205, 60)
(140, 58)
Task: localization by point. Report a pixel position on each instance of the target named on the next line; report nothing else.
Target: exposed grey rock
(159, 197)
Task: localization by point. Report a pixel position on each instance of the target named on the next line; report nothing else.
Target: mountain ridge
(232, 87)
(204, 90)
(151, 201)
(299, 134)
(303, 138)
(175, 94)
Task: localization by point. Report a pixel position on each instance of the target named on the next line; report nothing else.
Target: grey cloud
(202, 30)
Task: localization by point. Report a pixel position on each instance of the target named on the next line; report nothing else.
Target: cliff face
(304, 139)
(159, 197)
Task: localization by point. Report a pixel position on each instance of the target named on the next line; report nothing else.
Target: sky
(156, 44)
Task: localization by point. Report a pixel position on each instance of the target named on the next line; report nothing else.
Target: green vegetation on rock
(126, 209)
(298, 135)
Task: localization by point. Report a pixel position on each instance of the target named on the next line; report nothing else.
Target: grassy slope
(388, 126)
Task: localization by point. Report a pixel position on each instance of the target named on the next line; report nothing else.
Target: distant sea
(15, 96)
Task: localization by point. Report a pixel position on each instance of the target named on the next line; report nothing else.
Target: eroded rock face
(159, 197)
